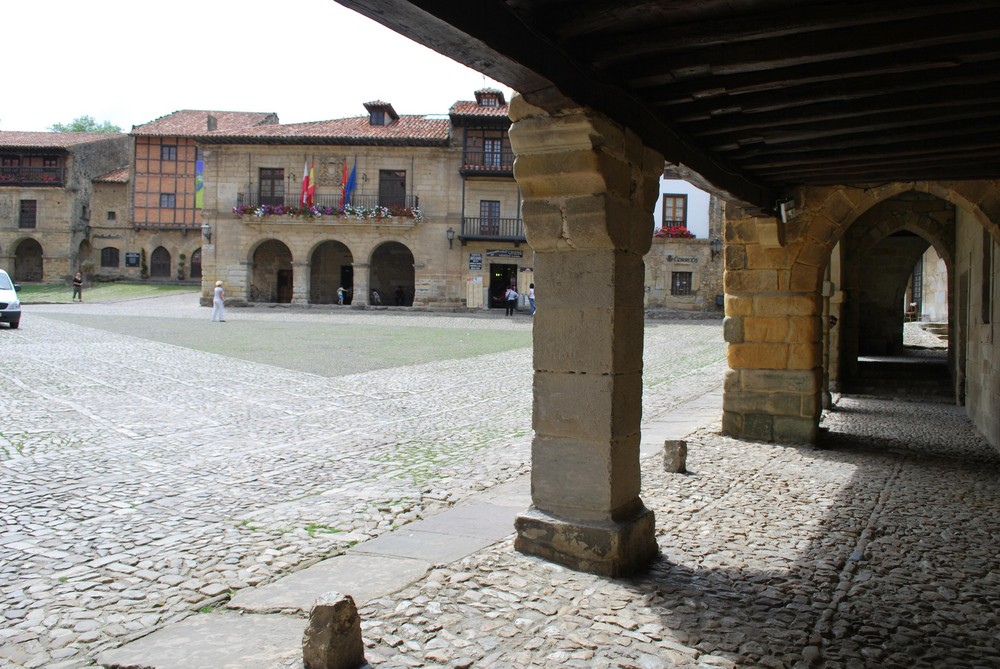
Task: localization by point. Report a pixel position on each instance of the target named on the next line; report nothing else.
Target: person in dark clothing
(77, 287)
(511, 297)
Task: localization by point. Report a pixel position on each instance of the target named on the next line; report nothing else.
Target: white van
(10, 305)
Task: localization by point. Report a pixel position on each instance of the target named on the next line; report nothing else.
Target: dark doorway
(285, 286)
(502, 277)
(159, 263)
(28, 261)
(326, 272)
(347, 282)
(391, 268)
(196, 264)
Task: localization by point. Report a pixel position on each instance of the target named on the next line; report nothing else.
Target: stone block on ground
(675, 456)
(333, 638)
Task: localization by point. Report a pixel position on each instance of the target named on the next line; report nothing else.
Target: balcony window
(272, 185)
(489, 217)
(674, 210)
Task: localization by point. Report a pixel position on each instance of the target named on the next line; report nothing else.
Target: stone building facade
(420, 210)
(46, 199)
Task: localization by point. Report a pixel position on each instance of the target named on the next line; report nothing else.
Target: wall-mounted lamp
(785, 208)
(450, 234)
(206, 231)
(716, 247)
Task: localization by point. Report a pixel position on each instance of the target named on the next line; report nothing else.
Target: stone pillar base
(607, 548)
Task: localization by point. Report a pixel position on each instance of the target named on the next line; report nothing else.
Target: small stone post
(675, 453)
(333, 638)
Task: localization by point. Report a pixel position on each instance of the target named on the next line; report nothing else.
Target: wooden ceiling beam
(676, 36)
(870, 95)
(811, 47)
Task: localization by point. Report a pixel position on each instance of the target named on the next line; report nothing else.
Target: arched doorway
(331, 267)
(28, 261)
(159, 263)
(392, 273)
(85, 257)
(196, 264)
(878, 254)
(271, 276)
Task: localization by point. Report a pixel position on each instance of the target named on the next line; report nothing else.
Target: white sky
(132, 61)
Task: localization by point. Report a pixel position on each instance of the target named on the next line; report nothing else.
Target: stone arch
(331, 266)
(270, 272)
(85, 257)
(391, 268)
(196, 263)
(28, 260)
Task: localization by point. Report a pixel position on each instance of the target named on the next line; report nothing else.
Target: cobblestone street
(143, 480)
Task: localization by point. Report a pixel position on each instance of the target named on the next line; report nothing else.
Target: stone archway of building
(159, 263)
(331, 267)
(85, 257)
(196, 264)
(271, 273)
(391, 269)
(28, 261)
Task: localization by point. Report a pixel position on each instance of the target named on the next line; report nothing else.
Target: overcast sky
(132, 61)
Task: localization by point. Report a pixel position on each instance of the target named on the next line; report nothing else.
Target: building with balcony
(46, 190)
(371, 204)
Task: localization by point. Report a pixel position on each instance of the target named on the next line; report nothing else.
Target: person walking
(340, 295)
(219, 303)
(531, 297)
(511, 297)
(77, 287)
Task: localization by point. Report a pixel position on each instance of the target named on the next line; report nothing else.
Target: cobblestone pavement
(877, 550)
(143, 481)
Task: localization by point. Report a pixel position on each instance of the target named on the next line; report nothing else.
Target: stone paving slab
(362, 576)
(219, 640)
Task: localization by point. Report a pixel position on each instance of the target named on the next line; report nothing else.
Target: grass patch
(115, 291)
(316, 528)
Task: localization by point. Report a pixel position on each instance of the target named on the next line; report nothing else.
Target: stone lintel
(610, 548)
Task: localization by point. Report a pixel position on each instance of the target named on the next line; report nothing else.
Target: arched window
(109, 257)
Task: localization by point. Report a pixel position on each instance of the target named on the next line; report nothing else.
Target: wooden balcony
(488, 163)
(31, 176)
(492, 230)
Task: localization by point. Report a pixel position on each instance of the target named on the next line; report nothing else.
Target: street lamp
(450, 234)
(206, 231)
(716, 247)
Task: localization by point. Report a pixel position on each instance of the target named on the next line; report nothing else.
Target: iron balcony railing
(492, 229)
(488, 163)
(331, 201)
(33, 176)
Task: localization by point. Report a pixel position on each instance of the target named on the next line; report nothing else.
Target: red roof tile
(119, 176)
(473, 108)
(188, 122)
(426, 129)
(52, 140)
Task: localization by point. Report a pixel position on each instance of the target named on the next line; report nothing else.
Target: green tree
(84, 124)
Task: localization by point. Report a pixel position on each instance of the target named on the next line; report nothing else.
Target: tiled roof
(119, 176)
(473, 108)
(51, 140)
(188, 122)
(406, 130)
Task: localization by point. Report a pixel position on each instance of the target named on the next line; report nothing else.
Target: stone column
(773, 308)
(360, 298)
(301, 281)
(589, 189)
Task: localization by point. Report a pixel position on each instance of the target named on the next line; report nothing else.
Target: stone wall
(977, 269)
(667, 256)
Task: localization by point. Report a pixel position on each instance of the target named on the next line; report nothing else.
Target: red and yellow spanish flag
(305, 185)
(311, 190)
